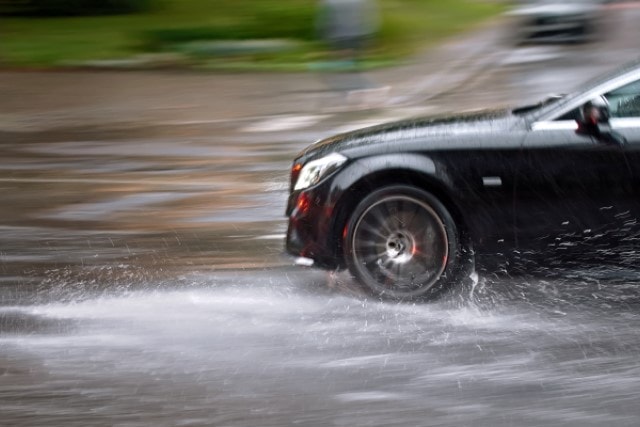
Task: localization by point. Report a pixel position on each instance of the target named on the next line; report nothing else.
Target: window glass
(572, 115)
(625, 101)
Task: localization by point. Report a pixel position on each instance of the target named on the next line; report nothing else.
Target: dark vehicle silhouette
(557, 21)
(412, 207)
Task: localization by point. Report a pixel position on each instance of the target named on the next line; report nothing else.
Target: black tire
(402, 243)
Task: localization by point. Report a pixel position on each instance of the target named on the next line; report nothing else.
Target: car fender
(367, 167)
(345, 191)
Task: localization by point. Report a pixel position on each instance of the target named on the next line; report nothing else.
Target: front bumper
(310, 232)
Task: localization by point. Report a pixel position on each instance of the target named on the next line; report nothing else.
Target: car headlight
(313, 172)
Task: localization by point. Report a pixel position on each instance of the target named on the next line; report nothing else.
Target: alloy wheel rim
(400, 245)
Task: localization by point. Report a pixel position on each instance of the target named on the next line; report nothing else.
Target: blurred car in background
(557, 21)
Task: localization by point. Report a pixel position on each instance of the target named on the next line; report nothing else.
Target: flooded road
(154, 198)
(282, 347)
(147, 286)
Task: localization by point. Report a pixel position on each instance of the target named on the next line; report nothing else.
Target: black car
(412, 207)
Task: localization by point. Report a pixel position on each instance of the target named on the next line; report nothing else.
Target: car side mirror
(593, 121)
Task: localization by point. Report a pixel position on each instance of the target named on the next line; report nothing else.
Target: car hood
(434, 132)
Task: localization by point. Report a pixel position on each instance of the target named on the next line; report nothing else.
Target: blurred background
(332, 47)
(218, 34)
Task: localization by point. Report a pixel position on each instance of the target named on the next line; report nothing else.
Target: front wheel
(402, 243)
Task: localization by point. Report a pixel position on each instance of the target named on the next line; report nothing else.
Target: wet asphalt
(143, 282)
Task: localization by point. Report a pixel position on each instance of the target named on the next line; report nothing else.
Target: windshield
(558, 101)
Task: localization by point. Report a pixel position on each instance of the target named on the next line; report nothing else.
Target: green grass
(407, 26)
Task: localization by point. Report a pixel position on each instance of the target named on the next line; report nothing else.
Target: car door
(625, 116)
(576, 198)
(625, 119)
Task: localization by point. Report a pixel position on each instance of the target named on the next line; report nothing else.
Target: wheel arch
(421, 175)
